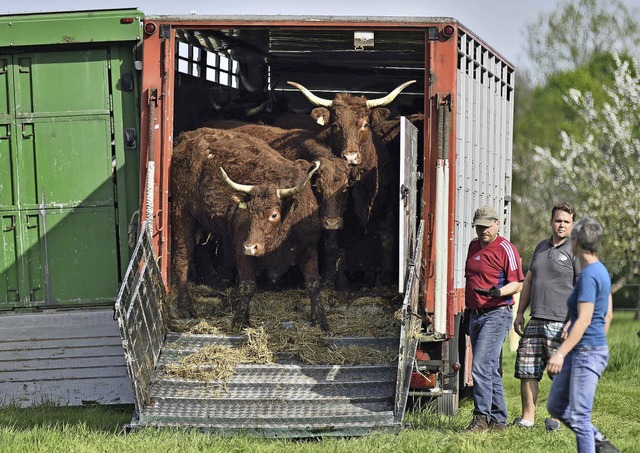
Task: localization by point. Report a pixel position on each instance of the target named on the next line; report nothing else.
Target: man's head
(486, 223)
(562, 217)
(587, 233)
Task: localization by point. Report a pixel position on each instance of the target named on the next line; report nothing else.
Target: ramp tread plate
(299, 374)
(268, 414)
(203, 390)
(192, 342)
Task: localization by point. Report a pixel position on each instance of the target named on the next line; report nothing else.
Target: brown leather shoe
(478, 424)
(493, 426)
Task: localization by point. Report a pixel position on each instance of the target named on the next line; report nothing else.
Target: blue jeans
(573, 391)
(487, 332)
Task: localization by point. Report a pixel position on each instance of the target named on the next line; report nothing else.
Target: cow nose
(332, 223)
(353, 157)
(253, 249)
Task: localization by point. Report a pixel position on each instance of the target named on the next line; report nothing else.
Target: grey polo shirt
(555, 270)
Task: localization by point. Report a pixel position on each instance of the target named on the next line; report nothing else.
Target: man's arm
(510, 289)
(525, 296)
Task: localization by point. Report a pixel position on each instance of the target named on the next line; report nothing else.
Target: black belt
(482, 311)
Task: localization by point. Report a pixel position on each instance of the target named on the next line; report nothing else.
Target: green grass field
(49, 428)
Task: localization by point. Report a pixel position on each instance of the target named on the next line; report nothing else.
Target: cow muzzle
(353, 158)
(253, 248)
(332, 223)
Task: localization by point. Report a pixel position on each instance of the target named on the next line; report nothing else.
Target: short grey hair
(588, 232)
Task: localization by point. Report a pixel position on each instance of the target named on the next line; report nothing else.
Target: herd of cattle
(248, 187)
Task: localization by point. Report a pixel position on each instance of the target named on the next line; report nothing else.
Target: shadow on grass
(95, 418)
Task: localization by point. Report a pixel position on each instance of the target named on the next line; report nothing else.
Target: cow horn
(388, 99)
(259, 109)
(315, 100)
(285, 193)
(244, 188)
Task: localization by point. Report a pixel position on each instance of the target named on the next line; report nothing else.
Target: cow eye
(275, 215)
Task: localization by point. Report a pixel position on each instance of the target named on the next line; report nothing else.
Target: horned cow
(354, 125)
(271, 217)
(330, 185)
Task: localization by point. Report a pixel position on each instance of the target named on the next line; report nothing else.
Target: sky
(501, 23)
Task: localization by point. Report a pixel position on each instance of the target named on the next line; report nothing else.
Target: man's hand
(491, 292)
(518, 324)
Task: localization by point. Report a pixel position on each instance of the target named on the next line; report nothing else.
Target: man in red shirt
(494, 274)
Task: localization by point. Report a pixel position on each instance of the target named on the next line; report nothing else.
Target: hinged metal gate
(140, 310)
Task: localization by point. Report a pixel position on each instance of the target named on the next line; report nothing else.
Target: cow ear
(240, 199)
(379, 115)
(321, 115)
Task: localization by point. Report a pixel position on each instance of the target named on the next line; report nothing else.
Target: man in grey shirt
(547, 286)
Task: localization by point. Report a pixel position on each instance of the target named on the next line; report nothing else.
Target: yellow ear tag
(242, 205)
(320, 120)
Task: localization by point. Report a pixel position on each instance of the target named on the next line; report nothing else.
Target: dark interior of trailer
(242, 73)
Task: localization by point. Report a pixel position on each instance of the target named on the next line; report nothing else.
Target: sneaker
(478, 424)
(521, 423)
(551, 424)
(604, 446)
(495, 426)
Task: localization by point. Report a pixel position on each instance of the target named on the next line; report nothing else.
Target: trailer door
(57, 197)
(408, 198)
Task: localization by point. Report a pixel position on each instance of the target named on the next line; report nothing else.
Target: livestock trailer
(193, 69)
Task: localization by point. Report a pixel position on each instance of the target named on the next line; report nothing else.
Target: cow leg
(334, 273)
(389, 245)
(183, 244)
(241, 316)
(331, 254)
(309, 268)
(247, 288)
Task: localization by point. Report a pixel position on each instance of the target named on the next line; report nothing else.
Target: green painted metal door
(57, 195)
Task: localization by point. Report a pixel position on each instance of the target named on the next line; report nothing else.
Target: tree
(540, 115)
(600, 168)
(569, 36)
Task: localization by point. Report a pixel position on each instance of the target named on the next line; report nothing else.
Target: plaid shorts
(540, 340)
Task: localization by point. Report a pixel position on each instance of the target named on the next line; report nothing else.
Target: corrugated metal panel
(69, 358)
(484, 116)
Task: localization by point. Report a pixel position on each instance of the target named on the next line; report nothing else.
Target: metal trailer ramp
(284, 400)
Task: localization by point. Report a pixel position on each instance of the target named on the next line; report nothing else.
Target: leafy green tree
(576, 30)
(541, 114)
(598, 166)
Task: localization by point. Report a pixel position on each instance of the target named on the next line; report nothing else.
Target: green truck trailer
(69, 183)
(91, 103)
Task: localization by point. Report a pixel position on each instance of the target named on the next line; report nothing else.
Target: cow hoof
(322, 323)
(240, 322)
(187, 310)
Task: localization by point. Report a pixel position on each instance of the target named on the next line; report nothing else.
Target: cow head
(331, 186)
(351, 119)
(264, 205)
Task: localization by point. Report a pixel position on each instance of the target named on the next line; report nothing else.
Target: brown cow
(330, 185)
(354, 122)
(332, 180)
(271, 219)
